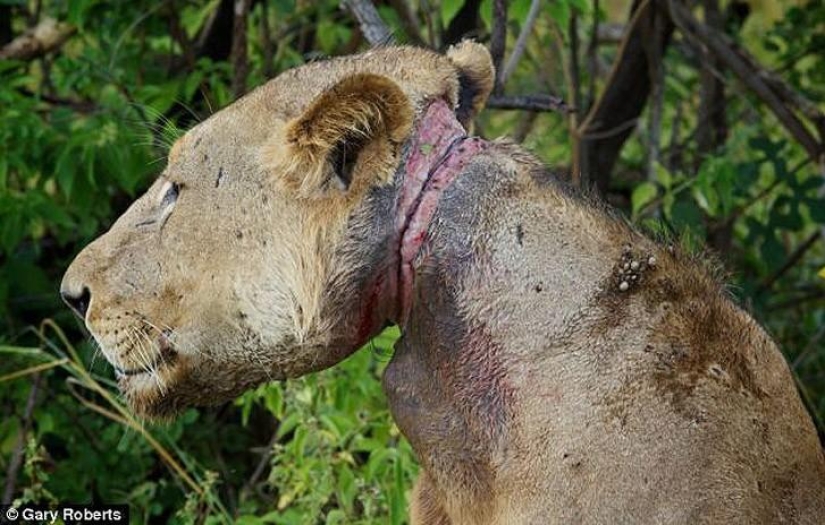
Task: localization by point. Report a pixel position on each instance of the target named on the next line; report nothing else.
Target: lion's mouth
(165, 357)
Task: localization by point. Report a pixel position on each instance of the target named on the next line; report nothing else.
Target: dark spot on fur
(238, 234)
(539, 287)
(198, 141)
(520, 235)
(219, 178)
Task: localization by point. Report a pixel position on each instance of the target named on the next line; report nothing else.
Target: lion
(555, 364)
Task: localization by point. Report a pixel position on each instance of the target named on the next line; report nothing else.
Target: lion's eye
(169, 193)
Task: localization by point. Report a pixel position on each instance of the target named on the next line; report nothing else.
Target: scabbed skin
(556, 366)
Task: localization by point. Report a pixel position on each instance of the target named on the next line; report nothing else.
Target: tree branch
(372, 26)
(542, 103)
(521, 41)
(43, 38)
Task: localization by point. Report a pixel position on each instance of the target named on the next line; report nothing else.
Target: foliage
(85, 130)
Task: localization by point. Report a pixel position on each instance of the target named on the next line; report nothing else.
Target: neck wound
(439, 151)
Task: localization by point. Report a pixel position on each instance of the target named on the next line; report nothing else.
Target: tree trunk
(612, 118)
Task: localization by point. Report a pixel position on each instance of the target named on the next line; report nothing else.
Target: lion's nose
(78, 302)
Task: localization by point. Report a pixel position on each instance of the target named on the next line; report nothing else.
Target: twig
(612, 132)
(498, 40)
(372, 26)
(262, 464)
(541, 103)
(521, 41)
(43, 38)
(793, 258)
(19, 448)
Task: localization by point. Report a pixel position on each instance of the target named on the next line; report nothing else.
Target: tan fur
(556, 367)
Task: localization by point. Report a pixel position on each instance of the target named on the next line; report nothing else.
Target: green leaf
(663, 176)
(643, 194)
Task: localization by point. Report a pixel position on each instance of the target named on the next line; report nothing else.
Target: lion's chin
(156, 396)
(174, 387)
(149, 402)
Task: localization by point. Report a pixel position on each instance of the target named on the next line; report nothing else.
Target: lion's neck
(505, 275)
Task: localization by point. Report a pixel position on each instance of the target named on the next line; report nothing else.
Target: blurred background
(703, 120)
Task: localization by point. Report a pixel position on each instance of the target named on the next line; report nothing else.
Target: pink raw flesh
(440, 151)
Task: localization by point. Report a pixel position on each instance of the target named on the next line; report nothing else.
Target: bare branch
(541, 103)
(43, 38)
(521, 42)
(372, 26)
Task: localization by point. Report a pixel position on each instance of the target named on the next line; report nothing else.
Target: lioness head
(268, 247)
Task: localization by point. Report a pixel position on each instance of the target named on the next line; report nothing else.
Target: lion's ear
(348, 137)
(476, 78)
